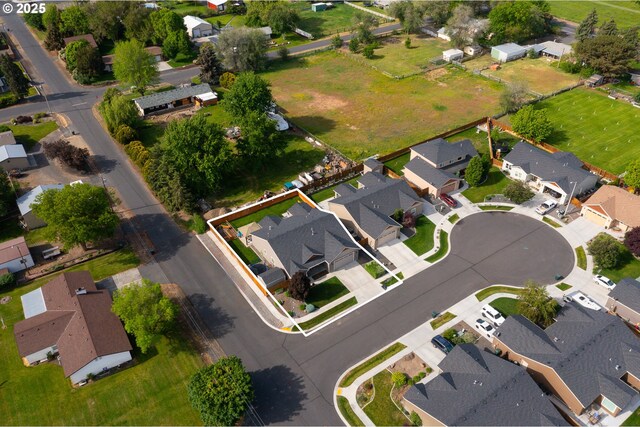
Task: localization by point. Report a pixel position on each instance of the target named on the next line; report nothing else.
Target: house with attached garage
(435, 166)
(71, 318)
(559, 174)
(588, 359)
(613, 207)
(197, 27)
(26, 202)
(624, 301)
(487, 391)
(304, 239)
(367, 210)
(15, 255)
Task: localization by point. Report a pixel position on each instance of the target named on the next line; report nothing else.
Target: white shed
(508, 52)
(452, 55)
(197, 27)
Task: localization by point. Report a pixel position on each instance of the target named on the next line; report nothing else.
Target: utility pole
(45, 98)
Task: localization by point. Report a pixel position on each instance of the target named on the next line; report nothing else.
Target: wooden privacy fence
(254, 208)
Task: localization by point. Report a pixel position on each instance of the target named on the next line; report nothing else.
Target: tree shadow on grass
(558, 136)
(279, 394)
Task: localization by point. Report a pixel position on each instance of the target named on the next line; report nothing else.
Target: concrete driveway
(359, 282)
(403, 258)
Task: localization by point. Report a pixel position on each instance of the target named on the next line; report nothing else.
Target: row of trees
(15, 78)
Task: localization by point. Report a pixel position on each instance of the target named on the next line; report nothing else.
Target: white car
(485, 328)
(546, 207)
(604, 281)
(493, 315)
(583, 300)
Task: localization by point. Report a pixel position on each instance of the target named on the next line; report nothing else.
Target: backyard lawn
(325, 292)
(506, 306)
(382, 411)
(246, 253)
(277, 210)
(422, 242)
(29, 135)
(329, 192)
(364, 113)
(541, 75)
(625, 13)
(394, 58)
(599, 130)
(397, 164)
(494, 184)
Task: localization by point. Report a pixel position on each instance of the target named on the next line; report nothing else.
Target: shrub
(310, 308)
(38, 116)
(198, 225)
(429, 370)
(23, 119)
(415, 419)
(407, 42)
(354, 45)
(7, 279)
(8, 101)
(336, 41)
(605, 250)
(632, 241)
(399, 379)
(367, 52)
(227, 80)
(68, 154)
(125, 134)
(374, 269)
(138, 153)
(4, 128)
(416, 379)
(517, 192)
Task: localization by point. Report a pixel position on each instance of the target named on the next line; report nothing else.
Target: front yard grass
(325, 292)
(564, 286)
(422, 242)
(581, 258)
(492, 290)
(506, 306)
(494, 184)
(346, 113)
(598, 130)
(181, 60)
(108, 265)
(36, 236)
(551, 222)
(381, 410)
(328, 314)
(441, 320)
(541, 75)
(375, 269)
(453, 218)
(246, 253)
(628, 267)
(276, 210)
(444, 248)
(347, 412)
(370, 363)
(29, 134)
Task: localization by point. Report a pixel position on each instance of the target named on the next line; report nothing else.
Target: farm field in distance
(361, 112)
(597, 129)
(626, 13)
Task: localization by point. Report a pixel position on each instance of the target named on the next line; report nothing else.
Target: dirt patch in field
(324, 102)
(410, 364)
(434, 75)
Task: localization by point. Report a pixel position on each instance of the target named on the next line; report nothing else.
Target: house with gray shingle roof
(183, 96)
(558, 174)
(304, 239)
(624, 300)
(586, 357)
(368, 209)
(481, 389)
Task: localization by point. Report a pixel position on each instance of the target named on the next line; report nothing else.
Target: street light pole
(566, 210)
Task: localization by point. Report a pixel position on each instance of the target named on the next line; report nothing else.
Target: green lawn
(581, 258)
(363, 112)
(277, 210)
(441, 320)
(108, 265)
(370, 363)
(149, 133)
(375, 269)
(540, 75)
(325, 23)
(564, 286)
(394, 58)
(625, 13)
(486, 293)
(347, 412)
(495, 208)
(36, 236)
(479, 139)
(246, 253)
(325, 292)
(329, 192)
(444, 248)
(392, 280)
(506, 306)
(382, 411)
(28, 135)
(422, 242)
(598, 130)
(633, 420)
(551, 222)
(453, 218)
(181, 59)
(397, 164)
(328, 314)
(629, 267)
(494, 184)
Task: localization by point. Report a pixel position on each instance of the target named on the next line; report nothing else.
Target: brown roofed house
(71, 317)
(613, 207)
(88, 37)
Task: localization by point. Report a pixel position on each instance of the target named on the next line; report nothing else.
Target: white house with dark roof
(558, 174)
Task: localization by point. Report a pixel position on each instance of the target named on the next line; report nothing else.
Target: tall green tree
(165, 22)
(77, 214)
(88, 63)
(210, 66)
(536, 305)
(283, 17)
(51, 17)
(74, 21)
(609, 28)
(608, 54)
(363, 24)
(118, 110)
(242, 49)
(260, 141)
(6, 194)
(71, 53)
(476, 171)
(175, 43)
(166, 182)
(605, 250)
(51, 20)
(145, 311)
(632, 174)
(199, 151)
(258, 12)
(462, 27)
(221, 392)
(518, 21)
(587, 27)
(250, 92)
(134, 66)
(518, 192)
(409, 14)
(438, 10)
(137, 25)
(531, 123)
(18, 83)
(106, 18)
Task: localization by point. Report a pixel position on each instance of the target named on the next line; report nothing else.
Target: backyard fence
(373, 12)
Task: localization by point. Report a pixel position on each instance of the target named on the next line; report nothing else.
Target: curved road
(294, 377)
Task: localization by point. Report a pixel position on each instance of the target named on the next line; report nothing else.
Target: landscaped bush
(68, 154)
(399, 379)
(138, 153)
(605, 250)
(7, 280)
(125, 134)
(227, 80)
(632, 241)
(518, 192)
(415, 419)
(310, 308)
(38, 116)
(8, 101)
(374, 269)
(4, 128)
(23, 119)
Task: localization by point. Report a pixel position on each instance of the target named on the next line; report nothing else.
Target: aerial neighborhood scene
(292, 212)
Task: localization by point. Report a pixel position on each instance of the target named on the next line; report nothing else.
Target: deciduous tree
(536, 305)
(462, 27)
(6, 194)
(363, 25)
(514, 96)
(145, 311)
(68, 154)
(517, 192)
(134, 66)
(409, 14)
(632, 174)
(137, 25)
(299, 286)
(210, 66)
(438, 11)
(176, 42)
(531, 123)
(260, 140)
(71, 51)
(242, 49)
(282, 17)
(221, 392)
(88, 62)
(77, 214)
(249, 92)
(606, 250)
(74, 21)
(632, 241)
(517, 21)
(18, 83)
(118, 110)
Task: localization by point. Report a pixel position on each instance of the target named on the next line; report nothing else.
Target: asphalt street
(294, 376)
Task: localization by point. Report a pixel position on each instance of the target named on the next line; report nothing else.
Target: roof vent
(312, 231)
(555, 339)
(81, 291)
(618, 367)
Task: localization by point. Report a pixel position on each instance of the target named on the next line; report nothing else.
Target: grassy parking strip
(444, 248)
(486, 293)
(441, 320)
(347, 412)
(367, 365)
(495, 208)
(551, 222)
(564, 286)
(581, 258)
(328, 314)
(453, 218)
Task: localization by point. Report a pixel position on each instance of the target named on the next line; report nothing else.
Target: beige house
(624, 301)
(613, 207)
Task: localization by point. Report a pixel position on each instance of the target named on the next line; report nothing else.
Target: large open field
(598, 130)
(626, 13)
(337, 19)
(541, 75)
(361, 112)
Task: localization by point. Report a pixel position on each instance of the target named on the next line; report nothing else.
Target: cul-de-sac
(320, 213)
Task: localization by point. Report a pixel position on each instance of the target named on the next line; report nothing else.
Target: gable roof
(562, 168)
(627, 292)
(555, 48)
(305, 237)
(434, 176)
(161, 98)
(479, 388)
(26, 200)
(13, 249)
(7, 138)
(15, 151)
(191, 22)
(371, 207)
(88, 37)
(81, 325)
(440, 151)
(589, 350)
(617, 203)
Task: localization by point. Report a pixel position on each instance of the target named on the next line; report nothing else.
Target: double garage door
(450, 187)
(391, 234)
(344, 260)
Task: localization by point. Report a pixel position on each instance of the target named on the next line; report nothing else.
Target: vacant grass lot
(422, 242)
(625, 13)
(394, 58)
(338, 19)
(362, 112)
(494, 184)
(382, 411)
(541, 75)
(598, 130)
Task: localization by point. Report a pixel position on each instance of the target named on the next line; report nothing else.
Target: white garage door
(196, 32)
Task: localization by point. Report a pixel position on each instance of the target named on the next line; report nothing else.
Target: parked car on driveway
(485, 328)
(546, 207)
(493, 315)
(604, 281)
(450, 201)
(441, 343)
